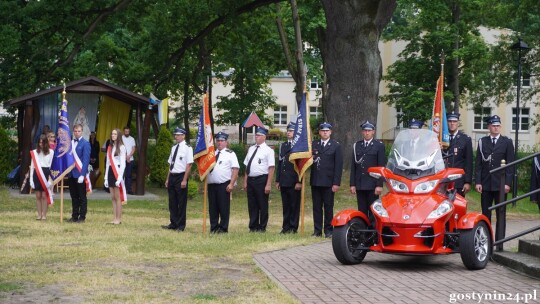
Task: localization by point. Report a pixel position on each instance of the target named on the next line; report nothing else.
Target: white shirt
(222, 171)
(262, 160)
(183, 157)
(119, 161)
(44, 160)
(129, 142)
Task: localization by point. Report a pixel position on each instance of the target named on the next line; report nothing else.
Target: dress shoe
(170, 226)
(72, 220)
(316, 234)
(179, 229)
(328, 236)
(80, 221)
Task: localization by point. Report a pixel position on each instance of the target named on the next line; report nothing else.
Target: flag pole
(62, 201)
(204, 205)
(302, 200)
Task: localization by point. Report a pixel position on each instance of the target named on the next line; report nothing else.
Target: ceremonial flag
(163, 111)
(204, 153)
(63, 160)
(153, 99)
(301, 155)
(439, 124)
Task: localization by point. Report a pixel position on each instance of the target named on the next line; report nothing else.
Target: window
(314, 83)
(480, 115)
(525, 80)
(315, 112)
(523, 119)
(280, 115)
(400, 114)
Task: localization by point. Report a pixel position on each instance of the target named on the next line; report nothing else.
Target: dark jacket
(327, 164)
(460, 155)
(364, 157)
(489, 157)
(286, 176)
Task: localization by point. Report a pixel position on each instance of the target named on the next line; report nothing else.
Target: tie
(366, 143)
(174, 157)
(493, 140)
(248, 169)
(76, 140)
(217, 157)
(451, 137)
(322, 144)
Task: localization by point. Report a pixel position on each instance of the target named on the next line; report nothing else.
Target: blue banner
(301, 155)
(63, 161)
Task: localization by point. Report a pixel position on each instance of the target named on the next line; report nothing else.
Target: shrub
(160, 166)
(8, 154)
(240, 150)
(193, 188)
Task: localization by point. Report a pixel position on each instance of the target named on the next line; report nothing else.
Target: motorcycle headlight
(398, 186)
(379, 209)
(443, 208)
(426, 187)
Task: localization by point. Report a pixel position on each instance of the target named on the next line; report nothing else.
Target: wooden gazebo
(29, 116)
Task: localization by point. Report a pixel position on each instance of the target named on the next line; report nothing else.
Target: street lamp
(521, 48)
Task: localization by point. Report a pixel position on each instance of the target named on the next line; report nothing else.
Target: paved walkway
(313, 275)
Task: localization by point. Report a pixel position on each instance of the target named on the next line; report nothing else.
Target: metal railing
(500, 227)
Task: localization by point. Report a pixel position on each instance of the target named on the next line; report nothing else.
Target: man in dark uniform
(367, 152)
(492, 149)
(221, 182)
(325, 179)
(459, 154)
(180, 161)
(535, 180)
(288, 184)
(260, 164)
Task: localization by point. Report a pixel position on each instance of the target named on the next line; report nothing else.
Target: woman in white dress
(114, 174)
(40, 172)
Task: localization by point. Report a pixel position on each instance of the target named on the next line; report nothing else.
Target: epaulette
(229, 150)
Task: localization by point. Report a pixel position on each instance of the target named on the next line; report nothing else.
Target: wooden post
(26, 143)
(141, 165)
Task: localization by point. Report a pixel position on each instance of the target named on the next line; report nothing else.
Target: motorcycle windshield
(415, 153)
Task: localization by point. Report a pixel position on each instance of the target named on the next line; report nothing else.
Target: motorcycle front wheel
(347, 239)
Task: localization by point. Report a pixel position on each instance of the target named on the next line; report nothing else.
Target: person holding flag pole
(63, 161)
(301, 151)
(79, 179)
(40, 173)
(204, 154)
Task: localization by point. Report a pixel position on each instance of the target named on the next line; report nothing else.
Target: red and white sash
(41, 176)
(78, 165)
(114, 166)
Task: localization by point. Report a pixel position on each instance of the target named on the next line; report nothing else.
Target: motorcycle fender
(345, 216)
(470, 219)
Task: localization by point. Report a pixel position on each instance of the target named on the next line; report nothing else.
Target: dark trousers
(127, 176)
(78, 199)
(177, 200)
(460, 191)
(323, 197)
(291, 208)
(487, 198)
(257, 203)
(365, 198)
(219, 205)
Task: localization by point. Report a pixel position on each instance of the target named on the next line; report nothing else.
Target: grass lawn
(138, 262)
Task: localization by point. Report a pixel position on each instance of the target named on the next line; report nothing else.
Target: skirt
(111, 178)
(47, 172)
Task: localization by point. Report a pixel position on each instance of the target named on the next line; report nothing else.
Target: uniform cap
(222, 136)
(325, 126)
(368, 126)
(261, 131)
(415, 124)
(178, 130)
(291, 126)
(494, 120)
(453, 116)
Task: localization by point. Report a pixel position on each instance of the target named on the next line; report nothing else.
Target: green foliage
(193, 188)
(241, 151)
(160, 166)
(8, 154)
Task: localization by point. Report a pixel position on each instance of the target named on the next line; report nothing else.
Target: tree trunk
(186, 110)
(352, 64)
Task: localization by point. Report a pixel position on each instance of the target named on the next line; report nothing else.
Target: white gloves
(48, 184)
(32, 183)
(80, 180)
(106, 183)
(117, 183)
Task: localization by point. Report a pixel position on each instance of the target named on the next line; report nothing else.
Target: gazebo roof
(252, 120)
(87, 85)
